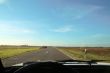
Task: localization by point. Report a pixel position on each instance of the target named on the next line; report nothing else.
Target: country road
(49, 53)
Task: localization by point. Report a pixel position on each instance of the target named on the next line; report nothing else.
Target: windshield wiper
(90, 62)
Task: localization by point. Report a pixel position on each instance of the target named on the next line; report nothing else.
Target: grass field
(9, 51)
(92, 53)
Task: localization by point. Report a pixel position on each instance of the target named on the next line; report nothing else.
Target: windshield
(54, 30)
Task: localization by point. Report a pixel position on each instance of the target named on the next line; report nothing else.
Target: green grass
(9, 52)
(77, 54)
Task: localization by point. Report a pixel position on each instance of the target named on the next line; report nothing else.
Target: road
(49, 53)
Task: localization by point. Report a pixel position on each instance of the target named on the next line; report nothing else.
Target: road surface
(46, 54)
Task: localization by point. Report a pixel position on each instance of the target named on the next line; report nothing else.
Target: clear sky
(55, 22)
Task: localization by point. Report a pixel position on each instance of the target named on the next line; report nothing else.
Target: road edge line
(66, 54)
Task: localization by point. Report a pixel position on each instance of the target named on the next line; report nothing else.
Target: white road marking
(67, 55)
(38, 60)
(47, 52)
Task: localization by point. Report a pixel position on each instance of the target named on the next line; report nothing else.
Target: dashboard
(62, 67)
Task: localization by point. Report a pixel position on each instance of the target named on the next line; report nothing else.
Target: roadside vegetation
(91, 54)
(9, 51)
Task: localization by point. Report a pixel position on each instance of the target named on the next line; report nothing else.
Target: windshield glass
(54, 30)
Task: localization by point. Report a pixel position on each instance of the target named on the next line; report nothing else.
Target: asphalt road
(47, 54)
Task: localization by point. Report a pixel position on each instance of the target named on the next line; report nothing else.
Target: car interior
(57, 67)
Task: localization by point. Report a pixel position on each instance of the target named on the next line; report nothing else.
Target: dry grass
(92, 53)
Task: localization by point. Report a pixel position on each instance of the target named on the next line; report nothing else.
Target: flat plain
(10, 51)
(92, 53)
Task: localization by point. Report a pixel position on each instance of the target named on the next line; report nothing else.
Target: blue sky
(55, 22)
